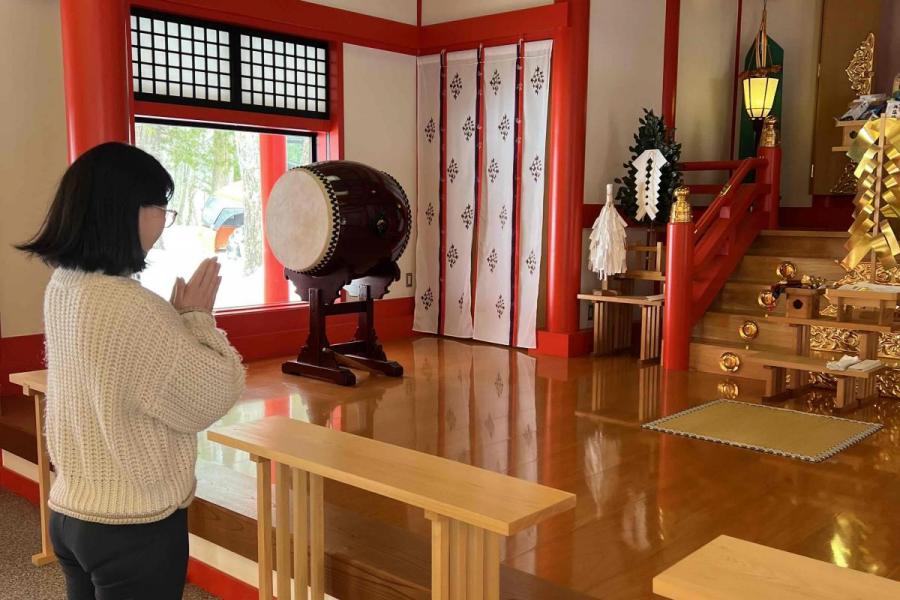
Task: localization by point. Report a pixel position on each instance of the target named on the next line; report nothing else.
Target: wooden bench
(612, 322)
(613, 307)
(34, 383)
(731, 569)
(469, 508)
(777, 365)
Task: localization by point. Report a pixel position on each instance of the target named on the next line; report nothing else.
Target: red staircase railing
(701, 256)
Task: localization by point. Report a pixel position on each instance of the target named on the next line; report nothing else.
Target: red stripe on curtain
(479, 169)
(517, 192)
(442, 200)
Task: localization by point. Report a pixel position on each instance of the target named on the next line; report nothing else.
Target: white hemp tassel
(607, 247)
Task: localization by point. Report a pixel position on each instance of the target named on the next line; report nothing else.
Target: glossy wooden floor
(645, 499)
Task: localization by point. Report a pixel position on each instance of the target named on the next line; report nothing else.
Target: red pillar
(95, 68)
(670, 61)
(565, 174)
(771, 174)
(677, 318)
(272, 165)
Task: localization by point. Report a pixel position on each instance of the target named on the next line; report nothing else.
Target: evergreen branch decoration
(651, 133)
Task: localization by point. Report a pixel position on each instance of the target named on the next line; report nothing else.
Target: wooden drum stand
(319, 358)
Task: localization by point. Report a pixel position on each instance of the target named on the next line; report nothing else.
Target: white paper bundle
(607, 247)
(647, 180)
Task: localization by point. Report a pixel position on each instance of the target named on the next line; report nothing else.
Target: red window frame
(329, 132)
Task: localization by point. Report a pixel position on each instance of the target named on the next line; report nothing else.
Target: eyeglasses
(171, 215)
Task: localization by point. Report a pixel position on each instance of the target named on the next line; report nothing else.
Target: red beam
(95, 46)
(296, 17)
(670, 61)
(238, 118)
(528, 24)
(272, 165)
(565, 173)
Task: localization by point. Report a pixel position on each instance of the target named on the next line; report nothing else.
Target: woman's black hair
(92, 224)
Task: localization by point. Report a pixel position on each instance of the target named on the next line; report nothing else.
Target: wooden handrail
(727, 194)
(710, 165)
(469, 508)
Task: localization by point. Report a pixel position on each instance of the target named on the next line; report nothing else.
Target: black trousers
(122, 562)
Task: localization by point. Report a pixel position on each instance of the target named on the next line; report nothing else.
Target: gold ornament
(862, 66)
(786, 270)
(730, 362)
(681, 209)
(769, 137)
(876, 215)
(767, 300)
(846, 181)
(811, 281)
(748, 331)
(728, 390)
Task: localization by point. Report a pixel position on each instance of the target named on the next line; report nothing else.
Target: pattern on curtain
(428, 212)
(493, 198)
(530, 213)
(461, 97)
(493, 297)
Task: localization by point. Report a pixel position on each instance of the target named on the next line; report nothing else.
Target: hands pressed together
(200, 292)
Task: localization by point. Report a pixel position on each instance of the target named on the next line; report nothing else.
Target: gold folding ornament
(876, 216)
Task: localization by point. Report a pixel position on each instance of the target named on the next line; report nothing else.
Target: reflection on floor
(645, 499)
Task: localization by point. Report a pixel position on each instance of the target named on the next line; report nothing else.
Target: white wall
(380, 125)
(441, 11)
(624, 76)
(33, 130)
(796, 26)
(705, 84)
(404, 11)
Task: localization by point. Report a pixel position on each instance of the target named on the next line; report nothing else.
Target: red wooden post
(272, 164)
(677, 320)
(565, 170)
(770, 149)
(95, 73)
(670, 61)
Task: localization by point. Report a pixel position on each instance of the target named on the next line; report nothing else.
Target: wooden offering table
(776, 389)
(612, 322)
(868, 312)
(731, 569)
(34, 383)
(469, 508)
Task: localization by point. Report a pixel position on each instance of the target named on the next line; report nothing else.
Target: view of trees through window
(217, 197)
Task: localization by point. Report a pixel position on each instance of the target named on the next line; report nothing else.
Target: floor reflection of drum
(337, 215)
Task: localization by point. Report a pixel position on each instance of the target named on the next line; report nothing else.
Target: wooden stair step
(724, 326)
(821, 244)
(741, 296)
(761, 267)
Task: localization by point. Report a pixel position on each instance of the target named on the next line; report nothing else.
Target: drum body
(337, 216)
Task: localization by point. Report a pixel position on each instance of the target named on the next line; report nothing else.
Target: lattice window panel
(186, 61)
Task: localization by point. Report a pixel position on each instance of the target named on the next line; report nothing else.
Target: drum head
(299, 220)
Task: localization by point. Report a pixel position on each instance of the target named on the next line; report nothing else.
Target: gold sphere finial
(681, 209)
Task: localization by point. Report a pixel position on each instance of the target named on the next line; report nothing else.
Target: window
(186, 61)
(218, 199)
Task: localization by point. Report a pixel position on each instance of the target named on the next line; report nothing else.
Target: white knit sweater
(130, 384)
